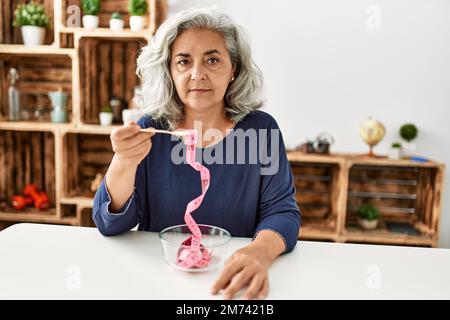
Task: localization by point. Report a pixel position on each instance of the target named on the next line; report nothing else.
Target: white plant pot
(32, 35)
(395, 153)
(106, 118)
(116, 24)
(367, 224)
(409, 148)
(90, 22)
(137, 23)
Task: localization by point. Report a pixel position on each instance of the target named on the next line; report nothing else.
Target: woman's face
(201, 68)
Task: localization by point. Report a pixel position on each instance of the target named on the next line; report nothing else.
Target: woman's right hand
(130, 145)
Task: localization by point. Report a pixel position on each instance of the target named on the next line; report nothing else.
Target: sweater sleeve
(278, 210)
(131, 214)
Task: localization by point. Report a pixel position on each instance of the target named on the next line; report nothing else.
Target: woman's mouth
(199, 91)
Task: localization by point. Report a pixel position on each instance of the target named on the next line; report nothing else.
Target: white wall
(325, 69)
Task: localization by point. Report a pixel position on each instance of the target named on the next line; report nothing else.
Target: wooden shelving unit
(331, 187)
(59, 158)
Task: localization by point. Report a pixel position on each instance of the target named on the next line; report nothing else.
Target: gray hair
(157, 95)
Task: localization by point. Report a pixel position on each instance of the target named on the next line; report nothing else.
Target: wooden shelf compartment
(79, 210)
(409, 195)
(37, 76)
(27, 157)
(69, 211)
(107, 70)
(12, 35)
(66, 40)
(84, 155)
(317, 190)
(85, 216)
(157, 11)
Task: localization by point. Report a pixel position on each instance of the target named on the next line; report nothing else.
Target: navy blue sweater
(250, 190)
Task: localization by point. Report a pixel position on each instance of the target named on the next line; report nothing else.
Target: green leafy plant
(31, 14)
(396, 145)
(106, 109)
(137, 7)
(91, 7)
(368, 212)
(116, 15)
(408, 131)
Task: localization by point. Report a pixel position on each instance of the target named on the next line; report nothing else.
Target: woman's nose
(198, 73)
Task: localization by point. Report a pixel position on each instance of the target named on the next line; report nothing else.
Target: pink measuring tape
(196, 256)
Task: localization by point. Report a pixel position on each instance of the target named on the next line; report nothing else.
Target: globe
(372, 131)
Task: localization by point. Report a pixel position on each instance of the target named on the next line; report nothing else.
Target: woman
(196, 71)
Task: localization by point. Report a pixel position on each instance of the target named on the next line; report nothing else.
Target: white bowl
(214, 239)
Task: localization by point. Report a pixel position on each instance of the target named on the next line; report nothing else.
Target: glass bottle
(13, 96)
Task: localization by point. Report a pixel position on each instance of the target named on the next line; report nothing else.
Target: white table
(47, 261)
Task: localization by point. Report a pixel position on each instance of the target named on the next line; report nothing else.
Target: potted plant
(116, 21)
(106, 116)
(32, 20)
(395, 152)
(90, 10)
(368, 216)
(409, 132)
(137, 9)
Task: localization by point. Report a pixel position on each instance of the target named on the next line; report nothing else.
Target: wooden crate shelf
(12, 35)
(61, 62)
(107, 7)
(68, 211)
(67, 40)
(38, 76)
(391, 189)
(316, 185)
(407, 193)
(107, 70)
(85, 217)
(89, 154)
(27, 157)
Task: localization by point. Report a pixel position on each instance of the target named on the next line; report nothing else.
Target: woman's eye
(183, 62)
(213, 60)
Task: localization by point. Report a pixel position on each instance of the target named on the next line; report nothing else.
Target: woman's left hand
(246, 267)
